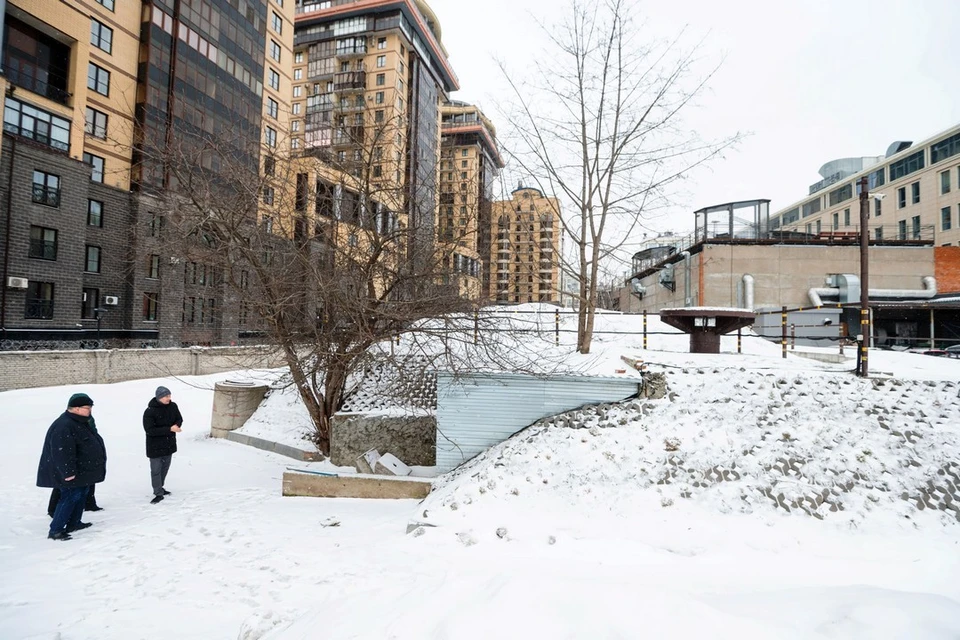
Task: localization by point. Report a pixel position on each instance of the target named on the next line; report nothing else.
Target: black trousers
(89, 505)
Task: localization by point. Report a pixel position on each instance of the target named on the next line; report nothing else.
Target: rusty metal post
(644, 328)
(783, 331)
(864, 277)
(739, 341)
(793, 337)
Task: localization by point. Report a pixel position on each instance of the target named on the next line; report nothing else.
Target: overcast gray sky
(810, 81)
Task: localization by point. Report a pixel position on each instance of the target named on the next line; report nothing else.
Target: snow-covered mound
(832, 446)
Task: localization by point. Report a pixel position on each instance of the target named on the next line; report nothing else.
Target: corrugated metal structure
(477, 411)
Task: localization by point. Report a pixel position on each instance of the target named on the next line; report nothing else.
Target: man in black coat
(161, 422)
(74, 458)
(90, 504)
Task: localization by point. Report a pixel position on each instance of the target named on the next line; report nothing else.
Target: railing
(352, 50)
(43, 249)
(25, 74)
(38, 309)
(350, 80)
(46, 195)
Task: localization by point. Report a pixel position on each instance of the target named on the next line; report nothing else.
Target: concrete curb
(274, 447)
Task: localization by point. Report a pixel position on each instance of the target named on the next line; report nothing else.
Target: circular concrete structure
(233, 404)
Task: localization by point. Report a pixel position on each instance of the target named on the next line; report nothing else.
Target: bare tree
(599, 124)
(315, 247)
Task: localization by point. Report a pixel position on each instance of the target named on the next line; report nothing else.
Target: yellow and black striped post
(644, 328)
(783, 332)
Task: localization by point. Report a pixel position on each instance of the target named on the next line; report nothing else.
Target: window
(156, 225)
(298, 57)
(377, 171)
(878, 233)
(94, 213)
(96, 162)
(905, 167)
(297, 91)
(378, 115)
(270, 137)
(915, 192)
(296, 108)
(846, 217)
(944, 182)
(269, 165)
(276, 22)
(92, 262)
(295, 125)
(88, 303)
(877, 206)
(46, 189)
(106, 3)
(24, 120)
(915, 224)
(273, 108)
(298, 74)
(39, 301)
(381, 62)
(98, 79)
(151, 306)
(381, 79)
(945, 149)
(43, 243)
(274, 79)
(268, 194)
(463, 164)
(836, 221)
(96, 124)
(295, 143)
(839, 195)
(101, 36)
(901, 197)
(275, 50)
(153, 269)
(379, 97)
(945, 222)
(381, 43)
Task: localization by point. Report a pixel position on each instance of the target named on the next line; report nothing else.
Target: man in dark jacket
(90, 504)
(161, 422)
(74, 458)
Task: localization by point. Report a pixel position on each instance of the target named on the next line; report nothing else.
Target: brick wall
(25, 369)
(947, 262)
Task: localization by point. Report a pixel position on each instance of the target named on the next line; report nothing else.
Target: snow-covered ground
(562, 532)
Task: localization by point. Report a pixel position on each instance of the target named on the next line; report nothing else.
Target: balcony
(38, 309)
(350, 81)
(43, 249)
(349, 51)
(46, 195)
(25, 75)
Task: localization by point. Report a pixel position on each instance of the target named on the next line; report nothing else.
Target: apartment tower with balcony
(469, 166)
(525, 248)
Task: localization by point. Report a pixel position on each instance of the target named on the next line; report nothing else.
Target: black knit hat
(79, 400)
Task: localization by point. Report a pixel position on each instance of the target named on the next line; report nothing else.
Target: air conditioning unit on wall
(18, 283)
(111, 301)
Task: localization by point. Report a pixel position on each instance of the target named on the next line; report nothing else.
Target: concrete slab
(366, 486)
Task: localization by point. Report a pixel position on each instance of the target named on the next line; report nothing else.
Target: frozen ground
(562, 532)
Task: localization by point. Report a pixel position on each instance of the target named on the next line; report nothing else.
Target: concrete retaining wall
(377, 487)
(413, 439)
(25, 369)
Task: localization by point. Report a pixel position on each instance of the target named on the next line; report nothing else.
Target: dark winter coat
(157, 420)
(71, 448)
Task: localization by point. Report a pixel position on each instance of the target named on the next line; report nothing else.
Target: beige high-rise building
(469, 166)
(525, 248)
(369, 77)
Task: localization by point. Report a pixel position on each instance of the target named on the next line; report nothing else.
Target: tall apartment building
(918, 187)
(469, 166)
(369, 77)
(82, 253)
(525, 248)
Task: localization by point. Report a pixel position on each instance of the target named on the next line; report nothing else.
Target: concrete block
(390, 465)
(367, 461)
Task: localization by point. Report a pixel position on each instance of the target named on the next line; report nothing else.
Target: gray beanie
(161, 392)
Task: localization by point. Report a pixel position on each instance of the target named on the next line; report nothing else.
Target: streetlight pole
(864, 277)
(99, 315)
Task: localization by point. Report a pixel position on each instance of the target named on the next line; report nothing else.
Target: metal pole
(783, 332)
(739, 340)
(933, 337)
(793, 336)
(864, 277)
(644, 328)
(476, 326)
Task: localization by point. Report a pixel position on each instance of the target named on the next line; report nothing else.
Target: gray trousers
(158, 473)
